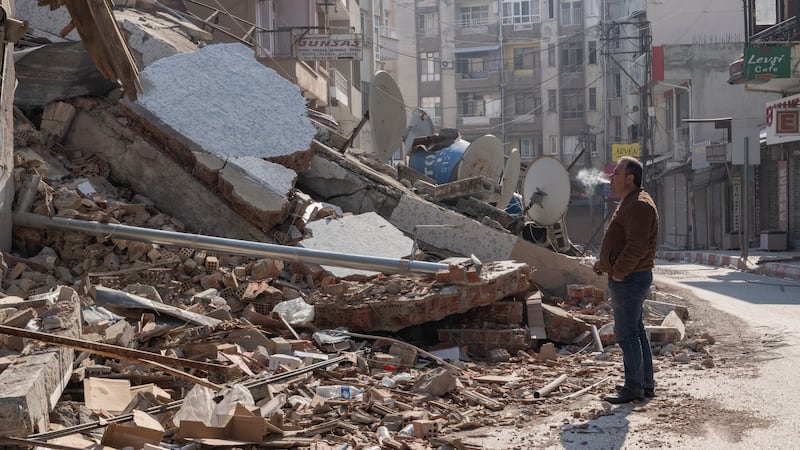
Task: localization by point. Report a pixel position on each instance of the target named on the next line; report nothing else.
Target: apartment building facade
(526, 71)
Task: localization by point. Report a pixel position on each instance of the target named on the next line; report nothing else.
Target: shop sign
(323, 47)
(773, 108)
(717, 153)
(787, 121)
(767, 63)
(620, 150)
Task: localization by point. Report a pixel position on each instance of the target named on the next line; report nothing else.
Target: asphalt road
(748, 400)
(770, 309)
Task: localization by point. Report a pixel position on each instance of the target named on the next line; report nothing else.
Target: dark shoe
(648, 392)
(625, 395)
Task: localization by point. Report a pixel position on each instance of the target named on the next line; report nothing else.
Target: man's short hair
(633, 167)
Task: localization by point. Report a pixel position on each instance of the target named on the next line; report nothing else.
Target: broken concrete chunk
(437, 382)
(56, 119)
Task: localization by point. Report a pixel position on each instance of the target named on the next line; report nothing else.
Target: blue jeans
(627, 299)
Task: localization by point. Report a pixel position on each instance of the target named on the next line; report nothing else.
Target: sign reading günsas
(767, 63)
(324, 47)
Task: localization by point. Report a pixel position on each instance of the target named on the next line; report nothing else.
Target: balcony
(521, 77)
(779, 35)
(470, 81)
(476, 32)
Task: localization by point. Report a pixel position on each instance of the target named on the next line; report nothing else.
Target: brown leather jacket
(629, 244)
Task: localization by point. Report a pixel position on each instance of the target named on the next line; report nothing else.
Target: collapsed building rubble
(217, 310)
(124, 341)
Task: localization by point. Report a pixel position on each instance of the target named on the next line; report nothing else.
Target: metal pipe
(225, 245)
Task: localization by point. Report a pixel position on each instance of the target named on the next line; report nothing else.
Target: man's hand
(615, 278)
(596, 268)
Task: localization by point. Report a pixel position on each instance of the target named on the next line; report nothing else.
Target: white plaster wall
(695, 22)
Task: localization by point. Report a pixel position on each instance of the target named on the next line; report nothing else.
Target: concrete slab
(174, 191)
(152, 37)
(366, 234)
(32, 385)
(259, 189)
(270, 120)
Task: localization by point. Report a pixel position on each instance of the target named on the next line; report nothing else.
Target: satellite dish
(387, 115)
(508, 185)
(546, 190)
(484, 157)
(419, 125)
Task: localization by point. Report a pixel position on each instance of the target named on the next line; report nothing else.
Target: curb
(770, 269)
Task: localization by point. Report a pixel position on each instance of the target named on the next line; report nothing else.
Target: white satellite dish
(419, 125)
(546, 190)
(484, 157)
(387, 115)
(508, 185)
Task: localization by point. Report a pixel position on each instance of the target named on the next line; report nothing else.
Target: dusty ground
(676, 415)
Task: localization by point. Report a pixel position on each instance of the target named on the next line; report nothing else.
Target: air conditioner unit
(446, 64)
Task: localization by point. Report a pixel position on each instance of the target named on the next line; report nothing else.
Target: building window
(553, 146)
(570, 146)
(265, 19)
(592, 99)
(477, 65)
(571, 12)
(572, 57)
(520, 11)
(551, 55)
(433, 107)
(592, 52)
(572, 103)
(551, 100)
(525, 58)
(471, 105)
(526, 148)
(472, 16)
(551, 9)
(429, 66)
(428, 24)
(617, 84)
(591, 7)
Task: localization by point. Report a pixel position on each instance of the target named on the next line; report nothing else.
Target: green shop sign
(767, 63)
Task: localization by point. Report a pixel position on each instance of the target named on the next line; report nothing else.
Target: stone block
(31, 386)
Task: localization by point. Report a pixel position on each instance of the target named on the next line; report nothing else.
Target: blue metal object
(515, 206)
(440, 165)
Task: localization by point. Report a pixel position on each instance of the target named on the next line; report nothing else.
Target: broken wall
(6, 135)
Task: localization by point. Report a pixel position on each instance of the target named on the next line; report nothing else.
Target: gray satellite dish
(419, 125)
(508, 185)
(546, 190)
(387, 115)
(484, 157)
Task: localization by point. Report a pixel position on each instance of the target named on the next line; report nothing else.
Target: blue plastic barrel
(439, 165)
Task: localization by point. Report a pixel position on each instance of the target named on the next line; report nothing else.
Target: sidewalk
(785, 265)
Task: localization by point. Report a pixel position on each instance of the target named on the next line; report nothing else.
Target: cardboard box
(240, 428)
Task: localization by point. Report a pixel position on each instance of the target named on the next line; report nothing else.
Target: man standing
(627, 255)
